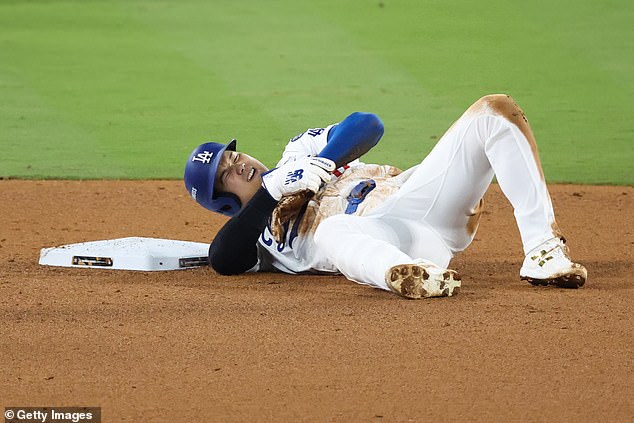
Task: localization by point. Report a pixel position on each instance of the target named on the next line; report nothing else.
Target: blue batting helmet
(200, 174)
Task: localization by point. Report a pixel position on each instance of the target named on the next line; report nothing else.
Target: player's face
(239, 174)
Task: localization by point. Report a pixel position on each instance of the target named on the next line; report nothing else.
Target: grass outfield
(106, 89)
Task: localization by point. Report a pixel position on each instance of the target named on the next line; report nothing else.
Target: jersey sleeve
(308, 143)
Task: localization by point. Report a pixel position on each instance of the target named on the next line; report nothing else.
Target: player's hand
(306, 173)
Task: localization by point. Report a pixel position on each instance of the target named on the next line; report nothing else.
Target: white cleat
(549, 264)
(422, 280)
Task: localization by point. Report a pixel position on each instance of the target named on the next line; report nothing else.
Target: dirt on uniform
(195, 346)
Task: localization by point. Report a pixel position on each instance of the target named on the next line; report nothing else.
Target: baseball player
(321, 210)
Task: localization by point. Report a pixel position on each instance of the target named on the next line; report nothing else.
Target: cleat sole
(414, 281)
(564, 281)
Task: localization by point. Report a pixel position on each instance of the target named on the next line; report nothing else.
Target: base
(133, 253)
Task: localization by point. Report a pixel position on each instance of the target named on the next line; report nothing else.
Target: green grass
(107, 89)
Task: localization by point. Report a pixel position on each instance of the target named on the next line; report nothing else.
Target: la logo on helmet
(204, 157)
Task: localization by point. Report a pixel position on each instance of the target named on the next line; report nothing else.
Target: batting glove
(306, 173)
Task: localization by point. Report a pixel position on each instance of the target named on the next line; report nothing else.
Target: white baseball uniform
(431, 211)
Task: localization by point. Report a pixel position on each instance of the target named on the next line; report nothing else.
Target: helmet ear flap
(227, 204)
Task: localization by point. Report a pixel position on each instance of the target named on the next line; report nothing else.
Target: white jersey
(298, 253)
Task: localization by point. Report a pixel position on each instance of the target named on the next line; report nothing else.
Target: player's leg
(373, 251)
(450, 182)
(491, 137)
(546, 261)
(432, 216)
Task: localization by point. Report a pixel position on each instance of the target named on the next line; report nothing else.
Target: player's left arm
(234, 249)
(343, 142)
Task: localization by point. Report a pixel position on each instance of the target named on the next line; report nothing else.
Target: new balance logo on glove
(293, 176)
(304, 173)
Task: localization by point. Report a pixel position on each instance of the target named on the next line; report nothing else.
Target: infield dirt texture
(194, 346)
(96, 92)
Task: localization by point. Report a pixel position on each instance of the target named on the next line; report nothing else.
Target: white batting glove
(306, 173)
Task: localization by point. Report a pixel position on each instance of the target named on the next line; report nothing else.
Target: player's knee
(501, 105)
(494, 100)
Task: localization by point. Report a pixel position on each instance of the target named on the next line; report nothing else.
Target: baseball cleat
(549, 264)
(422, 280)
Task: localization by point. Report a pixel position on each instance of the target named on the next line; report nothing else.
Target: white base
(134, 253)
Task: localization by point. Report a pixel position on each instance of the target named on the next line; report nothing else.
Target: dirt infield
(193, 346)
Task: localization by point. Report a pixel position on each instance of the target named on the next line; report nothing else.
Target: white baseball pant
(435, 213)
